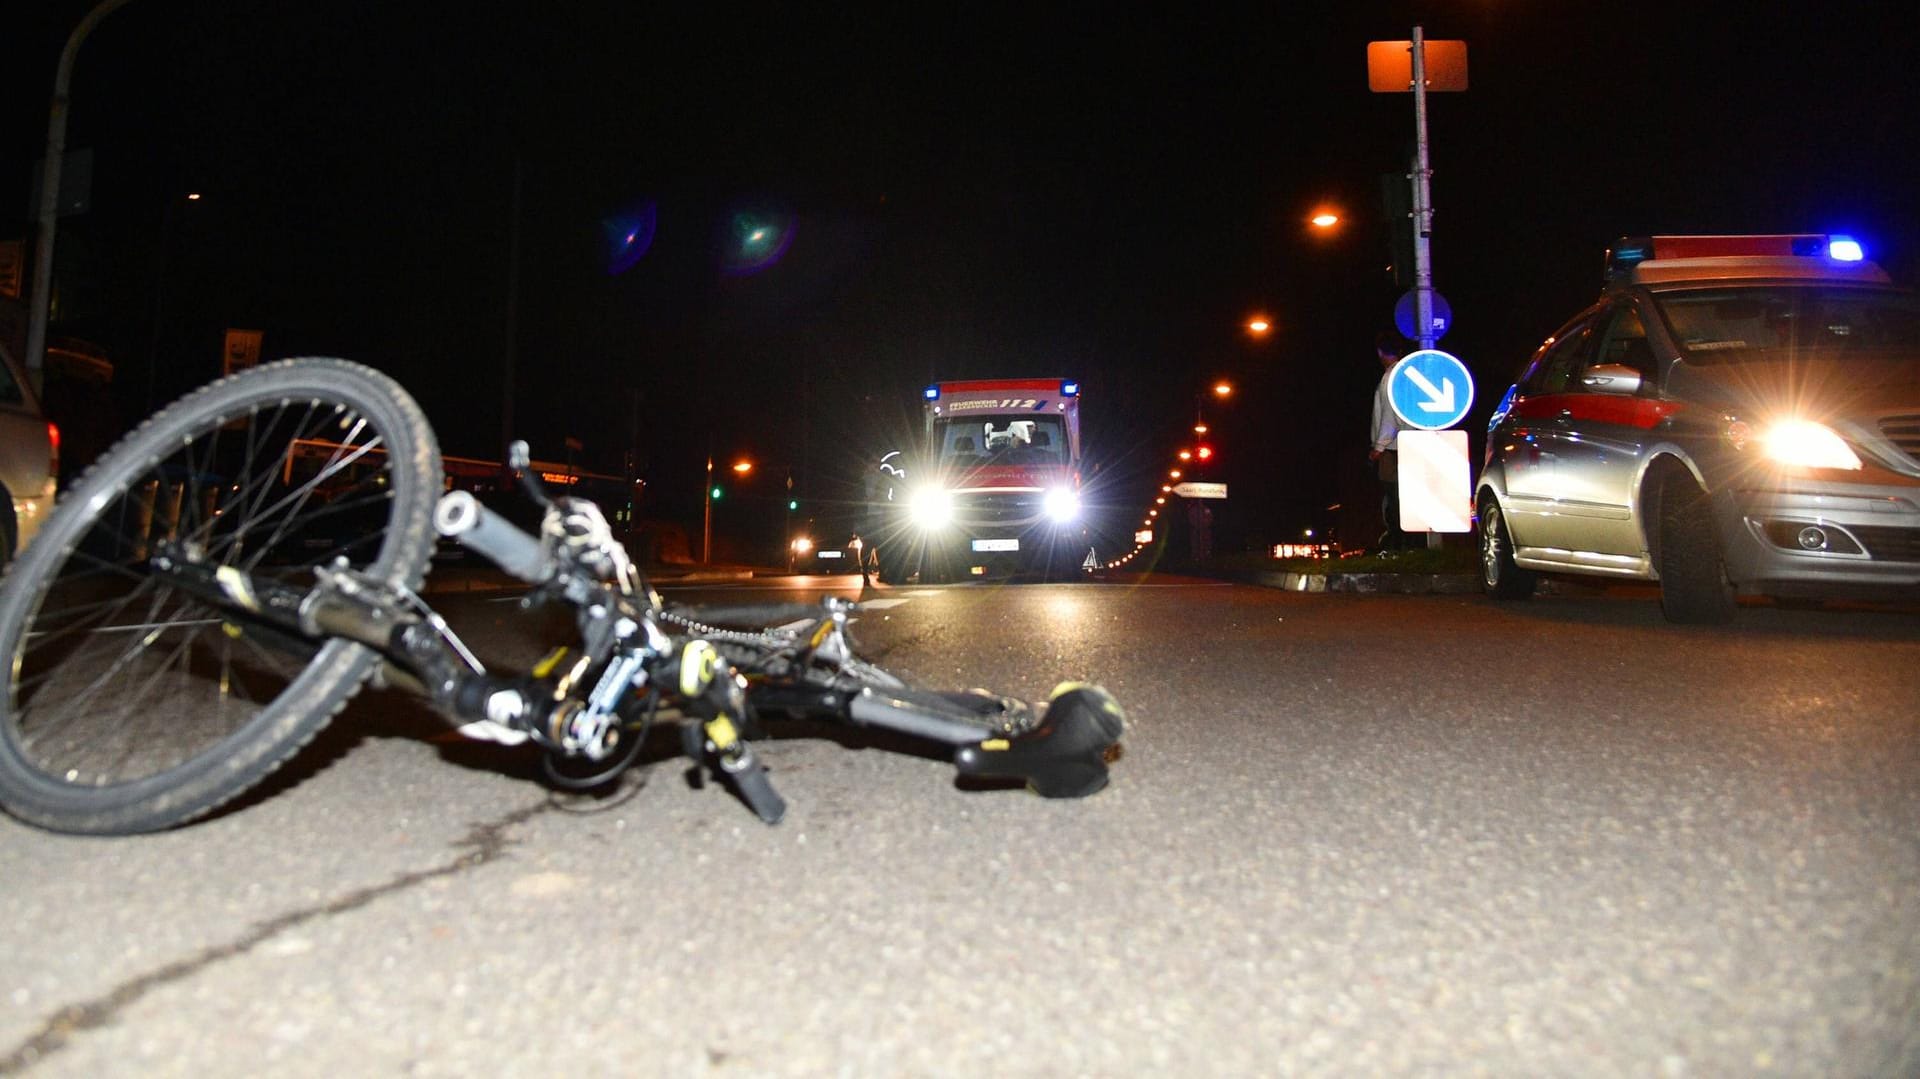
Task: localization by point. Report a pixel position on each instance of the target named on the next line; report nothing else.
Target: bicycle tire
(178, 717)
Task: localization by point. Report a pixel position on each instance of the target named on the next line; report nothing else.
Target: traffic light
(715, 492)
(793, 503)
(1203, 452)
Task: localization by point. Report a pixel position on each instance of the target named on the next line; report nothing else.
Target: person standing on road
(1389, 348)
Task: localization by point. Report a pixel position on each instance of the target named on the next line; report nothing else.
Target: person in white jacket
(1389, 348)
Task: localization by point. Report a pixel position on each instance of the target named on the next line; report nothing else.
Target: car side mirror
(1611, 378)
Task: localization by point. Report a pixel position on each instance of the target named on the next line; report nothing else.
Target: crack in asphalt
(486, 842)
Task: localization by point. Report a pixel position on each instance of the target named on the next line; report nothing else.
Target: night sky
(990, 192)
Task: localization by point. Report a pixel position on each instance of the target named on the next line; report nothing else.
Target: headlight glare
(1807, 444)
(931, 507)
(1062, 505)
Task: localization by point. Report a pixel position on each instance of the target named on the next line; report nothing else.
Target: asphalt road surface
(1349, 834)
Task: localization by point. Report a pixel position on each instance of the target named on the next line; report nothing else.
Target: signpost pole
(1422, 200)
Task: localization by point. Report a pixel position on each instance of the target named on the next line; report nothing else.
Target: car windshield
(1002, 440)
(1738, 324)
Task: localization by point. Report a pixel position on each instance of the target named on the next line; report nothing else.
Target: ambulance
(992, 490)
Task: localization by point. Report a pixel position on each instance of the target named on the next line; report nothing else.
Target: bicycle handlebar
(461, 517)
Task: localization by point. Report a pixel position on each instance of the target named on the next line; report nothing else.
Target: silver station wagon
(1737, 415)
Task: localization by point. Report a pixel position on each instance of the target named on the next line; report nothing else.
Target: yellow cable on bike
(545, 667)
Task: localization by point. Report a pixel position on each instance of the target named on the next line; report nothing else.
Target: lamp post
(740, 468)
(49, 209)
(1219, 391)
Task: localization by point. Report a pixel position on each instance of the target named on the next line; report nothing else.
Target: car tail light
(53, 449)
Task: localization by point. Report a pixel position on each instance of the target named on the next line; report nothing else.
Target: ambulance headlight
(931, 507)
(1062, 505)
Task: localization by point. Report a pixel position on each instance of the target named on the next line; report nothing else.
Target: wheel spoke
(124, 683)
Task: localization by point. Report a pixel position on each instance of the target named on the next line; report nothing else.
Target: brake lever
(520, 459)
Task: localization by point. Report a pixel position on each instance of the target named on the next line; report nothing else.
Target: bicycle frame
(638, 659)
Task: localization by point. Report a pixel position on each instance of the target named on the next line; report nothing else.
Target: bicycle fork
(716, 696)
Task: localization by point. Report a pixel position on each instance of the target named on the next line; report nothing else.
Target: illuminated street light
(1200, 428)
(1325, 219)
(740, 467)
(1174, 472)
(1223, 389)
(1186, 455)
(1258, 325)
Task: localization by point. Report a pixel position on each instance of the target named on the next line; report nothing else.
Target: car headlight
(930, 507)
(1806, 444)
(1062, 505)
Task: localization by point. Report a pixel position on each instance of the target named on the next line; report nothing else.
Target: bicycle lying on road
(217, 587)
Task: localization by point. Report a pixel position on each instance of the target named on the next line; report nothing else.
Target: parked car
(29, 460)
(1735, 415)
(814, 550)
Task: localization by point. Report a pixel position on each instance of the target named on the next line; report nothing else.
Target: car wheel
(1693, 573)
(1499, 576)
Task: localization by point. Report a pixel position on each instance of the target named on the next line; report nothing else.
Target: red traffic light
(1204, 453)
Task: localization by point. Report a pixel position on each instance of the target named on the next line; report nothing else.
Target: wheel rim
(118, 676)
(1490, 548)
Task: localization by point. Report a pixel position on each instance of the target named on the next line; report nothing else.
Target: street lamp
(740, 468)
(49, 209)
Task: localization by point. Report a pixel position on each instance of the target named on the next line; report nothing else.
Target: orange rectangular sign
(1390, 66)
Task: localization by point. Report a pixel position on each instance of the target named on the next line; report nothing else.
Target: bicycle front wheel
(132, 705)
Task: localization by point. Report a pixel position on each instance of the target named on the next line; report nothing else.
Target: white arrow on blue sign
(1430, 390)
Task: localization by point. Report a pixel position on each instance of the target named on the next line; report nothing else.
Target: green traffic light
(793, 503)
(716, 492)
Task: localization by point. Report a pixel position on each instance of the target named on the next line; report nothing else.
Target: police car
(1735, 415)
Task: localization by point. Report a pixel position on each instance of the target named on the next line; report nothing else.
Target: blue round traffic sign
(1407, 320)
(1430, 389)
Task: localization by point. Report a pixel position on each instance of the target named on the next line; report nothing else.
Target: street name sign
(1192, 489)
(1430, 390)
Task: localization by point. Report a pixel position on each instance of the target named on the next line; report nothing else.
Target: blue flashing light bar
(1845, 249)
(1069, 389)
(931, 393)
